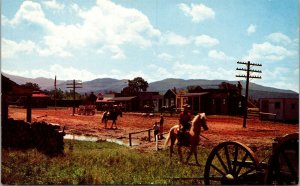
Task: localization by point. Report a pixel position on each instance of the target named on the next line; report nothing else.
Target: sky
(152, 39)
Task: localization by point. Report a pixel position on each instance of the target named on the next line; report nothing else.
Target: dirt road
(259, 134)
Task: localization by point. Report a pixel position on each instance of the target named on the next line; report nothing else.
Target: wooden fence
(147, 130)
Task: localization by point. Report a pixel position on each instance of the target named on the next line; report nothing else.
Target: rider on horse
(184, 119)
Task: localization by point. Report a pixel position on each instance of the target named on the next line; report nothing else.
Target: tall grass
(95, 163)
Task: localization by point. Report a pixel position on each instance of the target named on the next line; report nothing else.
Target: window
(277, 105)
(213, 101)
(224, 101)
(293, 106)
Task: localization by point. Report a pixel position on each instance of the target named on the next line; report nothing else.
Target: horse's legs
(115, 123)
(105, 123)
(196, 158)
(189, 155)
(193, 150)
(180, 154)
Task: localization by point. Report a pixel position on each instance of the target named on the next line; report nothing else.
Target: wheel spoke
(248, 171)
(236, 151)
(217, 169)
(227, 158)
(243, 161)
(222, 162)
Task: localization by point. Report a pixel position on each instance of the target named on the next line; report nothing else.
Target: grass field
(96, 163)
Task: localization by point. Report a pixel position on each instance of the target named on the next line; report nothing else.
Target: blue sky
(153, 39)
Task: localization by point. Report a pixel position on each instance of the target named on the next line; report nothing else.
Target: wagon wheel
(231, 163)
(283, 164)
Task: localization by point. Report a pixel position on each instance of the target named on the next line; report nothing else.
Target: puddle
(94, 139)
(80, 137)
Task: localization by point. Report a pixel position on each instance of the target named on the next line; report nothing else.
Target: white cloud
(188, 71)
(198, 12)
(279, 77)
(165, 56)
(218, 55)
(62, 72)
(279, 38)
(31, 12)
(52, 4)
(205, 41)
(196, 51)
(106, 24)
(251, 29)
(4, 20)
(268, 52)
(116, 51)
(158, 73)
(10, 48)
(171, 38)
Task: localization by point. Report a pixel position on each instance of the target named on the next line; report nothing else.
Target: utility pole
(248, 70)
(55, 92)
(75, 84)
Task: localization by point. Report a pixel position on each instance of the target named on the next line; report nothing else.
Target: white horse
(193, 136)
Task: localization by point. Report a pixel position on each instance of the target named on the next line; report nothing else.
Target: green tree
(135, 86)
(231, 88)
(194, 89)
(30, 85)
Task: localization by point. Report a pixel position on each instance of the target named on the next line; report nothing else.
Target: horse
(111, 115)
(192, 137)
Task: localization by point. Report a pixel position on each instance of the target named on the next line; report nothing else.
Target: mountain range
(104, 85)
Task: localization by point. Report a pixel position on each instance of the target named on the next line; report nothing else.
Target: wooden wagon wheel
(231, 163)
(283, 164)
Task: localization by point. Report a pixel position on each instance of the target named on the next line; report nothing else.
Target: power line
(247, 76)
(74, 85)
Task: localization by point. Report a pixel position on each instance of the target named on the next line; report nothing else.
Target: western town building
(285, 109)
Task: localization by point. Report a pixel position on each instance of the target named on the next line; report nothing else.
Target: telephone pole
(248, 70)
(55, 92)
(75, 84)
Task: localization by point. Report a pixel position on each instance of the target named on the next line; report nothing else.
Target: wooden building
(286, 109)
(212, 101)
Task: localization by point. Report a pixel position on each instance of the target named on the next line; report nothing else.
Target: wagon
(234, 163)
(86, 109)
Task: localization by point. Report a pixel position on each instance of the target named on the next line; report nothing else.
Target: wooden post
(156, 138)
(130, 144)
(149, 135)
(28, 109)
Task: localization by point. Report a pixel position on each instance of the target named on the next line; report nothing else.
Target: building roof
(194, 94)
(111, 100)
(104, 100)
(123, 98)
(40, 95)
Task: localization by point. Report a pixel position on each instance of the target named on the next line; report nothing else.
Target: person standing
(156, 130)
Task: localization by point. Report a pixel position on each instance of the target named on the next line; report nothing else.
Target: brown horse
(193, 136)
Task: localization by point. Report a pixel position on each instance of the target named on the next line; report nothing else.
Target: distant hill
(44, 83)
(108, 84)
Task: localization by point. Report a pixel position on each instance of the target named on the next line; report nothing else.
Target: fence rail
(147, 130)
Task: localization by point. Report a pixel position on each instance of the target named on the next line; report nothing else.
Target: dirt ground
(258, 134)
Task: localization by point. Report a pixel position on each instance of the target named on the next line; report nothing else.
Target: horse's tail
(168, 139)
(170, 134)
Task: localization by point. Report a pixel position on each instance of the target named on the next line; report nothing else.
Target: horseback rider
(185, 118)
